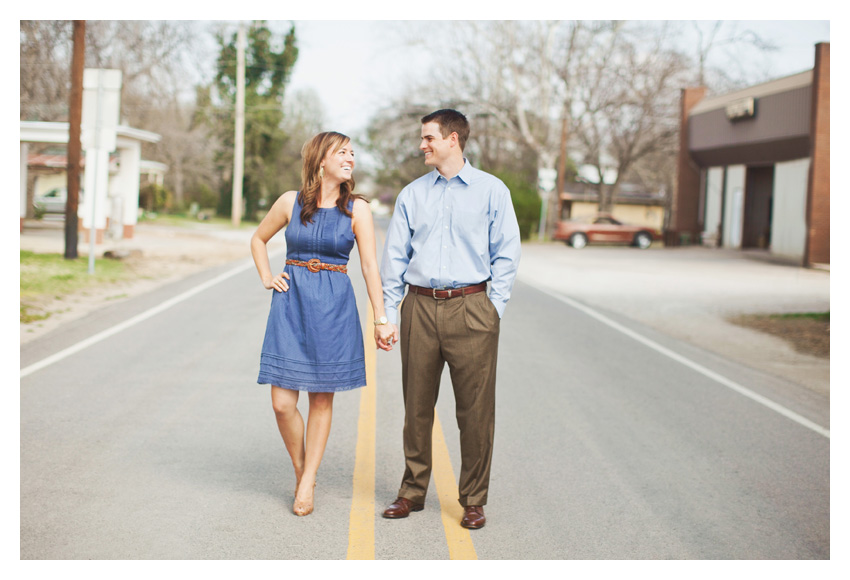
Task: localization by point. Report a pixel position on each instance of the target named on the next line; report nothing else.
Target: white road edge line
(690, 364)
(62, 354)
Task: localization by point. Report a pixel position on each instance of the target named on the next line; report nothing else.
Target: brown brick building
(753, 167)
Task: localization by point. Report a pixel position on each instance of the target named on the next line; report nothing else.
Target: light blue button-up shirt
(451, 233)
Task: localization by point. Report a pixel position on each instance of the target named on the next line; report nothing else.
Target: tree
(186, 146)
(150, 55)
(45, 69)
(729, 37)
(267, 70)
(520, 82)
(629, 106)
(392, 139)
(525, 199)
(630, 129)
(602, 94)
(303, 118)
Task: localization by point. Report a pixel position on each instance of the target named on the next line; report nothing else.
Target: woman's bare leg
(291, 426)
(318, 431)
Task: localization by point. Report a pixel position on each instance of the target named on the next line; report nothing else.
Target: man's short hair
(450, 121)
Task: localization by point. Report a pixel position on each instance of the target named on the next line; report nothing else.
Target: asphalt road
(153, 441)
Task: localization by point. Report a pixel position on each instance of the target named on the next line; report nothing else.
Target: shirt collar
(465, 173)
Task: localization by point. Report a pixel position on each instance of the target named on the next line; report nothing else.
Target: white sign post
(546, 184)
(101, 108)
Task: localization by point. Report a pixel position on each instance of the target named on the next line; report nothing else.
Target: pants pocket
(481, 315)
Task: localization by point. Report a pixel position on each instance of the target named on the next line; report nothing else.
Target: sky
(354, 66)
(370, 72)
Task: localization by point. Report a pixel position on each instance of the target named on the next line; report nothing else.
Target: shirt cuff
(392, 315)
(500, 306)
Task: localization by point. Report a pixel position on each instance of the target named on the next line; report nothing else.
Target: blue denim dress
(313, 339)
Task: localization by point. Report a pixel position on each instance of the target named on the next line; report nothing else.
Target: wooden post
(74, 147)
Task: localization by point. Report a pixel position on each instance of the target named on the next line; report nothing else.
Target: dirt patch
(806, 334)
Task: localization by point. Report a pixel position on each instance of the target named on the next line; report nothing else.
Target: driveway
(688, 293)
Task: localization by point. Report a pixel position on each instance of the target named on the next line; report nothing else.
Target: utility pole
(239, 152)
(74, 147)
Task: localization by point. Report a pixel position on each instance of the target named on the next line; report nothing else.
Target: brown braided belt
(315, 265)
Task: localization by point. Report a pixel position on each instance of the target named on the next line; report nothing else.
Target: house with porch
(116, 207)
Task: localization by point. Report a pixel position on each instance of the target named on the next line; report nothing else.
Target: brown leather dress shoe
(402, 507)
(473, 517)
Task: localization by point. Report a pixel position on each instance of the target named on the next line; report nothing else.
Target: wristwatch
(381, 320)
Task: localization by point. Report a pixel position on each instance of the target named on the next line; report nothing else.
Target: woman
(313, 340)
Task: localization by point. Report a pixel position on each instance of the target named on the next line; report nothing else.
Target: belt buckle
(434, 293)
(314, 265)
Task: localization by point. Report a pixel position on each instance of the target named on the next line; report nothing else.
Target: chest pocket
(471, 229)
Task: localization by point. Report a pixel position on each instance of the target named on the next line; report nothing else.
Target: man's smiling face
(437, 149)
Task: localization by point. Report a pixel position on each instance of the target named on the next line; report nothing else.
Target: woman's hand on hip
(277, 282)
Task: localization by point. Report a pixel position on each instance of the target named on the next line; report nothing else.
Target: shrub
(153, 197)
(38, 210)
(526, 201)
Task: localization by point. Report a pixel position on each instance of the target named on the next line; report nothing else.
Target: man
(453, 230)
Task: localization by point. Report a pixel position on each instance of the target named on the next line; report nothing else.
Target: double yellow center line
(361, 526)
(361, 522)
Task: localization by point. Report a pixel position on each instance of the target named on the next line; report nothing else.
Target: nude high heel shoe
(303, 508)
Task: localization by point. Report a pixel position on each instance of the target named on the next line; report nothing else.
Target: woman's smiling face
(339, 164)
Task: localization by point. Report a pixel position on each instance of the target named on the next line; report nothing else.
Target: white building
(116, 205)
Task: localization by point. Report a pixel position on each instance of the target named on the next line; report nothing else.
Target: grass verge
(183, 220)
(806, 332)
(816, 316)
(51, 276)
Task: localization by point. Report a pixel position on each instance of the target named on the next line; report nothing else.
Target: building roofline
(153, 165)
(618, 199)
(780, 85)
(57, 132)
(60, 161)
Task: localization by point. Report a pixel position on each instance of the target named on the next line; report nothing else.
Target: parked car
(54, 200)
(603, 228)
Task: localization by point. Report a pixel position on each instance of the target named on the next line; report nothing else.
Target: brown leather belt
(448, 292)
(315, 265)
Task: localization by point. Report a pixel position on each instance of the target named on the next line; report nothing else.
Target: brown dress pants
(463, 332)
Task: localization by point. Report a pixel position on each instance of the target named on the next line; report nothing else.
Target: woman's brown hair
(312, 154)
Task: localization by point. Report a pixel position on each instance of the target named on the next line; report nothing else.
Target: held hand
(277, 282)
(386, 335)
